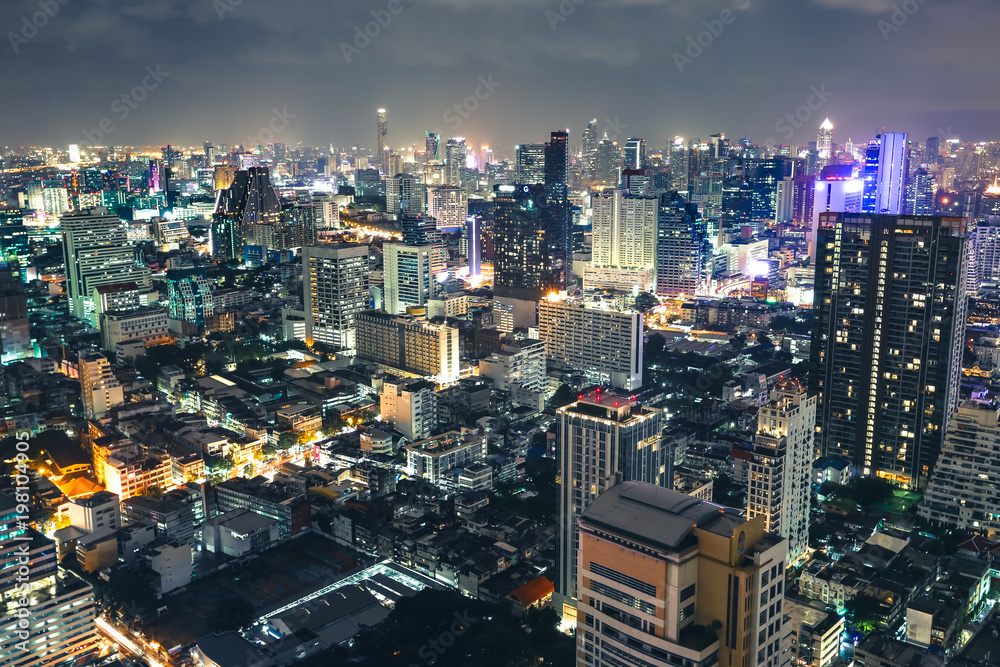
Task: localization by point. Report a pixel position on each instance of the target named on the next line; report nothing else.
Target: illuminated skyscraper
(635, 153)
(382, 155)
(607, 160)
(824, 142)
(529, 168)
(590, 141)
(869, 196)
(190, 297)
(422, 230)
(409, 280)
(679, 166)
(58, 605)
(922, 193)
(557, 191)
(449, 205)
(781, 469)
(335, 282)
(887, 346)
(679, 247)
(250, 200)
(892, 172)
(455, 151)
(404, 193)
(838, 190)
(432, 142)
(15, 333)
(528, 241)
(624, 229)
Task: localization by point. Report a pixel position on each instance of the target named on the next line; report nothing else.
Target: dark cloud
(917, 66)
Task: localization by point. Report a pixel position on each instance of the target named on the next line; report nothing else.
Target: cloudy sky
(649, 68)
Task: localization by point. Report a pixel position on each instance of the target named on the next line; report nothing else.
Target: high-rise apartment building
(657, 566)
(100, 388)
(780, 472)
(448, 205)
(335, 286)
(382, 145)
(604, 438)
(410, 344)
(97, 252)
(960, 494)
(624, 230)
(680, 248)
(409, 277)
(404, 193)
(886, 353)
(593, 337)
(529, 164)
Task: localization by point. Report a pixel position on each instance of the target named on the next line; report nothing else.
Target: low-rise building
(239, 533)
(147, 324)
(430, 459)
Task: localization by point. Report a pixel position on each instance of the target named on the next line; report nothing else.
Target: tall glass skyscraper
(529, 243)
(892, 171)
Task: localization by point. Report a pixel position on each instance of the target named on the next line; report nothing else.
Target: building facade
(656, 567)
(335, 281)
(780, 476)
(593, 337)
(604, 438)
(886, 351)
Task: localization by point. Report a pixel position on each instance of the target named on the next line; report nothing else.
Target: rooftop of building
(243, 522)
(899, 653)
(444, 443)
(657, 516)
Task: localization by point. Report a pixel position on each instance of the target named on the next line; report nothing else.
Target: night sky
(928, 69)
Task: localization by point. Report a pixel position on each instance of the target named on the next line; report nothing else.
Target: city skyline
(477, 87)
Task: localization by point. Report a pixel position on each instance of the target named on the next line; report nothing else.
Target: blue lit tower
(869, 198)
(892, 171)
